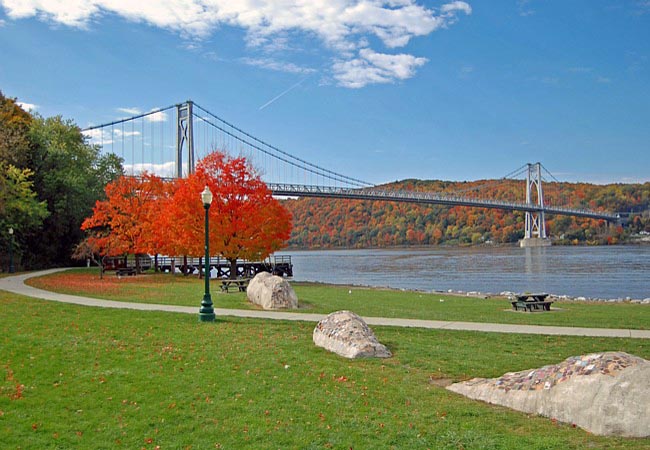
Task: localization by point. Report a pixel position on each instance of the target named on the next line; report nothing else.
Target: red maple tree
(246, 222)
(126, 222)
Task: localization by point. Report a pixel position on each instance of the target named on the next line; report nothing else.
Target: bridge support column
(184, 137)
(535, 232)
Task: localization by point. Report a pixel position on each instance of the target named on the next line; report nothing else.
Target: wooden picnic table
(531, 302)
(129, 271)
(238, 283)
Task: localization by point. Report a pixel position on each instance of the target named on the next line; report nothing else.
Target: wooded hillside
(325, 223)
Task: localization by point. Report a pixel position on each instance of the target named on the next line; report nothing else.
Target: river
(605, 272)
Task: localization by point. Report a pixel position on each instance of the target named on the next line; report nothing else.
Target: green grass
(80, 377)
(318, 298)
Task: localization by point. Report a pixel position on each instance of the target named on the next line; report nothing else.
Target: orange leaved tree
(126, 222)
(246, 222)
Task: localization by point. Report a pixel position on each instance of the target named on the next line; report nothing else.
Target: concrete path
(16, 284)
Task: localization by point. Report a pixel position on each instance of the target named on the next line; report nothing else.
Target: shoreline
(482, 295)
(636, 240)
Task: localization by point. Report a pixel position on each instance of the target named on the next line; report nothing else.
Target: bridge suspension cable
(276, 152)
(549, 173)
(286, 174)
(509, 176)
(128, 119)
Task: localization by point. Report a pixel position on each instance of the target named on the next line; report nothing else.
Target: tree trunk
(233, 268)
(100, 263)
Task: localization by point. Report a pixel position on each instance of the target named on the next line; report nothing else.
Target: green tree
(15, 123)
(19, 207)
(70, 176)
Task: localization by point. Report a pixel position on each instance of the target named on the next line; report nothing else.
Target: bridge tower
(184, 137)
(535, 232)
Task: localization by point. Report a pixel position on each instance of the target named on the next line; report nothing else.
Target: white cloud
(131, 111)
(452, 7)
(280, 66)
(343, 26)
(604, 80)
(465, 71)
(523, 6)
(99, 136)
(2, 23)
(165, 170)
(159, 116)
(371, 67)
(104, 136)
(27, 106)
(119, 133)
(97, 133)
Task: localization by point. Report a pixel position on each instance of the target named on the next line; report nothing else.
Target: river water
(605, 272)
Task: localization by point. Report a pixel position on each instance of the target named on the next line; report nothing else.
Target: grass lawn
(317, 298)
(80, 377)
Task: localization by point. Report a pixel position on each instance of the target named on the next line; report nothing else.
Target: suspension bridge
(168, 141)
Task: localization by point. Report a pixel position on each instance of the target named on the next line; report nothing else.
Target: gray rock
(348, 335)
(604, 393)
(271, 292)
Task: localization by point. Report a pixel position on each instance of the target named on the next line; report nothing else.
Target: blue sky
(379, 90)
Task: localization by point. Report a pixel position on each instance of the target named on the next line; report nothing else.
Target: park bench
(531, 302)
(239, 283)
(128, 271)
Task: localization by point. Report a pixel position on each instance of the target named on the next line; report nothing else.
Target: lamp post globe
(206, 313)
(12, 269)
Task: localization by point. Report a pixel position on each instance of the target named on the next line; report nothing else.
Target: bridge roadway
(428, 198)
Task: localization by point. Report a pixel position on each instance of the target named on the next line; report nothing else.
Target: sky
(378, 90)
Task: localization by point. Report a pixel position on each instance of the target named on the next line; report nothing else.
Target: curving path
(16, 284)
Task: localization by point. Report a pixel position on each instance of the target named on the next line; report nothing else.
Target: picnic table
(238, 283)
(128, 271)
(531, 302)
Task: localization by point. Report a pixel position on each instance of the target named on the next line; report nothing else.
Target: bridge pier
(529, 242)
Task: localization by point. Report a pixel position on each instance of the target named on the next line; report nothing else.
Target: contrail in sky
(282, 94)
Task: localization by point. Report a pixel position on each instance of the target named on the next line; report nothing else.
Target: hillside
(325, 223)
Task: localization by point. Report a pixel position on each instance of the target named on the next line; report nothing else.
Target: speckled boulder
(604, 393)
(271, 292)
(346, 334)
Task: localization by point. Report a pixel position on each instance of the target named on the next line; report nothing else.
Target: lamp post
(12, 269)
(206, 313)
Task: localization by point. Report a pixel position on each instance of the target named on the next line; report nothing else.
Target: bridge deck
(298, 190)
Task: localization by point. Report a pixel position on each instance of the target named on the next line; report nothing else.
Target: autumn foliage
(146, 215)
(246, 222)
(326, 223)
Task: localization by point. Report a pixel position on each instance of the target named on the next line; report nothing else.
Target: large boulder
(604, 393)
(348, 335)
(271, 292)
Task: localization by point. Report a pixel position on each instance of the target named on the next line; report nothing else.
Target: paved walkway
(16, 284)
